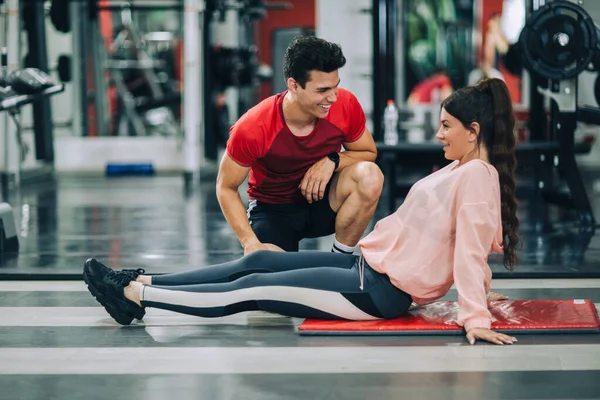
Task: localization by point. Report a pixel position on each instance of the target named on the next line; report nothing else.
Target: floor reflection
(157, 224)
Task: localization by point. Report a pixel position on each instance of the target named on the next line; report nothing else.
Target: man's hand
(273, 247)
(489, 336)
(316, 179)
(256, 246)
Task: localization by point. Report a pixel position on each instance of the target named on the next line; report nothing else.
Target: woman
(441, 235)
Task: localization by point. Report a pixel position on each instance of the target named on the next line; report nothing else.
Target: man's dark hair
(308, 53)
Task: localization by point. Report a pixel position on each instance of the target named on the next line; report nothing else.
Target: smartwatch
(335, 157)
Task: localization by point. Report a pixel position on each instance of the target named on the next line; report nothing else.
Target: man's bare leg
(354, 195)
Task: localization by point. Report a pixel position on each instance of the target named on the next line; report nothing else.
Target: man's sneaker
(97, 275)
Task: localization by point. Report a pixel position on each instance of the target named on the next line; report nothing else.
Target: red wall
(302, 14)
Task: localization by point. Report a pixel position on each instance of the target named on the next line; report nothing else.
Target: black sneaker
(99, 277)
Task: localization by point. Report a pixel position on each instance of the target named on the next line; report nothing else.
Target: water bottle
(390, 122)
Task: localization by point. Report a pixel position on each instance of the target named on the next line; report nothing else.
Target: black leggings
(317, 285)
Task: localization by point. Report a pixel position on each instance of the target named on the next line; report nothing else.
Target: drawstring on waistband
(361, 272)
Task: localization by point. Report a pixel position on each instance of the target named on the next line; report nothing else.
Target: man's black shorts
(285, 225)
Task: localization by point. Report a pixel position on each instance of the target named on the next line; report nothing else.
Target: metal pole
(76, 60)
(384, 60)
(192, 89)
(98, 76)
(537, 121)
(377, 65)
(390, 39)
(208, 100)
(3, 71)
(38, 58)
(82, 62)
(12, 153)
(400, 46)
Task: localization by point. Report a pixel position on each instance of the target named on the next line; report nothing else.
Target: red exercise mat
(518, 316)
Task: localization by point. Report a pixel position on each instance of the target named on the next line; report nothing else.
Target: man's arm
(316, 178)
(231, 176)
(363, 149)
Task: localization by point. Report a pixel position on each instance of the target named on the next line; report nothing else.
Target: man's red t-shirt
(260, 139)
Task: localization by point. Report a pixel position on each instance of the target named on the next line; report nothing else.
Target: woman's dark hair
(489, 104)
(308, 53)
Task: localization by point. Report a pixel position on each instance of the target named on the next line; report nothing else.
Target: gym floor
(56, 342)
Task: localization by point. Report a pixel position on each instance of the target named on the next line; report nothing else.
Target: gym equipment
(64, 68)
(439, 318)
(11, 101)
(226, 67)
(551, 151)
(234, 66)
(559, 40)
(33, 15)
(22, 87)
(60, 15)
(384, 35)
(146, 102)
(29, 81)
(9, 240)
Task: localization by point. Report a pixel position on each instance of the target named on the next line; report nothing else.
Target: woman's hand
(489, 336)
(496, 296)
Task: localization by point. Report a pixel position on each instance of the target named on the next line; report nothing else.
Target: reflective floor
(154, 222)
(56, 342)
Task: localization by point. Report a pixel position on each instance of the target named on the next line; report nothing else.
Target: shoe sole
(109, 306)
(98, 296)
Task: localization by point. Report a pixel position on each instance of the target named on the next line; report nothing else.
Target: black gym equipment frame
(564, 116)
(34, 18)
(557, 43)
(384, 59)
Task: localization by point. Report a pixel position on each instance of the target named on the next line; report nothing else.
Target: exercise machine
(17, 89)
(558, 42)
(148, 102)
(17, 74)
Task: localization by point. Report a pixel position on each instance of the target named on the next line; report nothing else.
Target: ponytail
(489, 104)
(502, 156)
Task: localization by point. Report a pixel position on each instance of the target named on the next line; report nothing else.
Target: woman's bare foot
(132, 292)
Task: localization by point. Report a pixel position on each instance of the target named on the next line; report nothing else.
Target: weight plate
(558, 41)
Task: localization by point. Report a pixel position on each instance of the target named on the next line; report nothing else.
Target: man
(301, 185)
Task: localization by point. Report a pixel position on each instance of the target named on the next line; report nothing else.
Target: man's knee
(369, 180)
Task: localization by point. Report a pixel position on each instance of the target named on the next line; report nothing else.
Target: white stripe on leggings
(326, 301)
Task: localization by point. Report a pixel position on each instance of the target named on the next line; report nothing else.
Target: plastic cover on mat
(536, 315)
